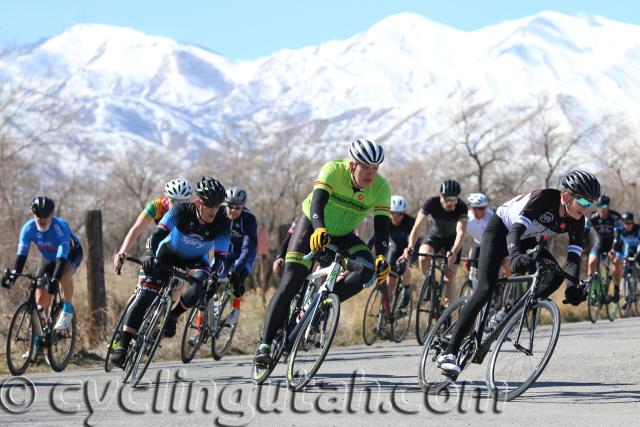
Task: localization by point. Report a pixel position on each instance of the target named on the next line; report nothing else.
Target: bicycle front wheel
(61, 342)
(313, 342)
(373, 319)
(520, 353)
(21, 345)
(223, 331)
(150, 336)
(401, 315)
(594, 300)
(425, 309)
(115, 338)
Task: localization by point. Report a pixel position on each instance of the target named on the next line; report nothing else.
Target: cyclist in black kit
(513, 230)
(607, 224)
(401, 226)
(448, 225)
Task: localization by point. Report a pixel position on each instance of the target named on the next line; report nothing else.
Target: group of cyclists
(192, 224)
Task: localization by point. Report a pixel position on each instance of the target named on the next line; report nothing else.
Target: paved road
(593, 378)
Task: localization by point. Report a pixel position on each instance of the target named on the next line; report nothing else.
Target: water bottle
(497, 318)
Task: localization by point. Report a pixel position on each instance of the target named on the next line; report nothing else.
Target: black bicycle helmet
(210, 191)
(450, 188)
(42, 206)
(236, 196)
(582, 183)
(627, 217)
(603, 200)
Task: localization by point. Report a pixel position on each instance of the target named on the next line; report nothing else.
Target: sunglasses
(584, 202)
(480, 208)
(234, 207)
(603, 206)
(451, 199)
(210, 205)
(627, 222)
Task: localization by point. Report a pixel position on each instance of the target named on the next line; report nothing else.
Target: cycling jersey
(538, 213)
(606, 228)
(348, 207)
(444, 223)
(628, 242)
(475, 227)
(181, 233)
(156, 209)
(244, 241)
(54, 243)
(398, 234)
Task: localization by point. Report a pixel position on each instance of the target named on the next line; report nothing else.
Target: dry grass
(119, 288)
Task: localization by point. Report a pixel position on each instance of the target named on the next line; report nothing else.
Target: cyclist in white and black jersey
(479, 215)
(448, 224)
(513, 230)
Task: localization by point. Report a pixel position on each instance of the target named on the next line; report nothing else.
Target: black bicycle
(147, 339)
(429, 305)
(523, 341)
(206, 321)
(599, 292)
(630, 288)
(380, 312)
(31, 330)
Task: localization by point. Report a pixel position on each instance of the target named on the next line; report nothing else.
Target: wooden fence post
(95, 275)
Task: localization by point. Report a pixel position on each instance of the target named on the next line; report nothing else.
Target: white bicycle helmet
(366, 152)
(478, 200)
(398, 204)
(178, 189)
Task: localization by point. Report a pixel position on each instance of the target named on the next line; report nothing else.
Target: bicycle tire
(373, 316)
(23, 316)
(399, 330)
(424, 309)
(466, 289)
(501, 349)
(437, 341)
(55, 337)
(218, 353)
(331, 303)
(594, 300)
(152, 336)
(108, 365)
(187, 350)
(259, 376)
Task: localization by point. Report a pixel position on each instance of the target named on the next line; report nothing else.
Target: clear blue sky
(249, 29)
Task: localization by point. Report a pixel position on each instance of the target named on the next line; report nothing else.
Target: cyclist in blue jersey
(244, 243)
(627, 242)
(61, 255)
(183, 239)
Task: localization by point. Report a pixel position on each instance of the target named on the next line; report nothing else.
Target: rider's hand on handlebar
(382, 268)
(118, 260)
(277, 266)
(521, 264)
(451, 258)
(148, 262)
(320, 239)
(53, 286)
(8, 278)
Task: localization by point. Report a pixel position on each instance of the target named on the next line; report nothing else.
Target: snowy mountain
(394, 80)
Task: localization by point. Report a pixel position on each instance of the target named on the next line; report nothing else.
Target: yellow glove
(319, 239)
(382, 267)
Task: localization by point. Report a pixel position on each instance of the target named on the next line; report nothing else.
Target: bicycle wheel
(430, 377)
(150, 337)
(313, 342)
(223, 331)
(115, 338)
(466, 289)
(630, 295)
(401, 315)
(373, 319)
(258, 376)
(60, 343)
(21, 345)
(516, 365)
(594, 300)
(425, 309)
(193, 334)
